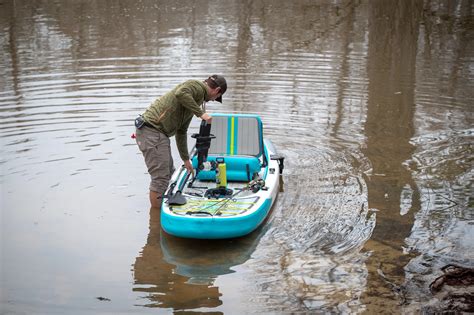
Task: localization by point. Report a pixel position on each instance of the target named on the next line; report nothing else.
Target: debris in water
(100, 298)
(455, 288)
(453, 276)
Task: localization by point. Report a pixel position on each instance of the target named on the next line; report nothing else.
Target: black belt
(153, 127)
(149, 125)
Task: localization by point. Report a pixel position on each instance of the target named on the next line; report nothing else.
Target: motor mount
(203, 143)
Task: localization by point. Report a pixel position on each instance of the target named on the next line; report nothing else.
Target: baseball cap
(221, 82)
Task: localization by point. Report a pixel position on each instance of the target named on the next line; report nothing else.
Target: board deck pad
(221, 207)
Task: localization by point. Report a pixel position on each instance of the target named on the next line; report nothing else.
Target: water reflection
(389, 128)
(399, 271)
(165, 287)
(370, 102)
(180, 273)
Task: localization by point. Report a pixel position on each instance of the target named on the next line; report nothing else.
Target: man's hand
(207, 118)
(189, 166)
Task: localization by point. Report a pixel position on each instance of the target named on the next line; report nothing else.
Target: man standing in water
(171, 115)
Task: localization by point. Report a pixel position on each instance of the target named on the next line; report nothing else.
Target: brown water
(370, 102)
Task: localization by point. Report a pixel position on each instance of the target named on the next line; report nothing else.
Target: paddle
(178, 199)
(169, 194)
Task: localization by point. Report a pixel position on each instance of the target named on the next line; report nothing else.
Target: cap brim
(219, 99)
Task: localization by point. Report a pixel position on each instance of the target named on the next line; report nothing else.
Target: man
(170, 115)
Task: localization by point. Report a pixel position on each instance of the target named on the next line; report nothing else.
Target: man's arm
(185, 96)
(182, 140)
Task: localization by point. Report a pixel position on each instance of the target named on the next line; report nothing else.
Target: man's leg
(155, 199)
(156, 150)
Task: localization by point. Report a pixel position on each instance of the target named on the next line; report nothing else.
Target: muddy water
(370, 102)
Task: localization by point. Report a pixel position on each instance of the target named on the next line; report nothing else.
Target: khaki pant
(156, 150)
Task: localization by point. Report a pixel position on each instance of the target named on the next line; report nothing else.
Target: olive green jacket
(172, 112)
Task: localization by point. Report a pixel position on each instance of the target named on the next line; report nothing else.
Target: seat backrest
(236, 135)
(239, 140)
